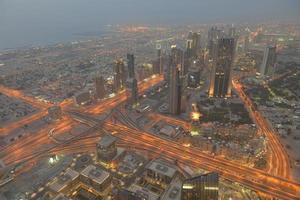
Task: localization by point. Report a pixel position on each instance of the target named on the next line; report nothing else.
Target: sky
(25, 22)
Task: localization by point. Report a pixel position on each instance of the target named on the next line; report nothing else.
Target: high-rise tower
(268, 64)
(220, 82)
(100, 89)
(119, 75)
(175, 83)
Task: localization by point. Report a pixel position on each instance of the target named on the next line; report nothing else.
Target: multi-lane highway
(252, 178)
(31, 147)
(279, 160)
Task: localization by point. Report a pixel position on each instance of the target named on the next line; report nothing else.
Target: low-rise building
(95, 177)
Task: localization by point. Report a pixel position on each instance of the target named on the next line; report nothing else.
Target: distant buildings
(269, 60)
(203, 187)
(220, 82)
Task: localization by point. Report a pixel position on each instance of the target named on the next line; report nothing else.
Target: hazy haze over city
(35, 22)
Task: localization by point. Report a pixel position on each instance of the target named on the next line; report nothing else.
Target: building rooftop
(106, 141)
(174, 190)
(143, 192)
(95, 173)
(59, 183)
(162, 167)
(61, 197)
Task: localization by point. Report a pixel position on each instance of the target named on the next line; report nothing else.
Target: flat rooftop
(95, 173)
(107, 140)
(162, 167)
(60, 182)
(174, 190)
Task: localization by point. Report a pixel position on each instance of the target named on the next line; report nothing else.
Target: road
(36, 142)
(30, 148)
(253, 178)
(279, 163)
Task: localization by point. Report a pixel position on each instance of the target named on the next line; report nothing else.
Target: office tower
(119, 75)
(232, 32)
(130, 65)
(213, 35)
(131, 81)
(100, 89)
(134, 92)
(189, 44)
(177, 59)
(203, 187)
(246, 44)
(133, 89)
(220, 82)
(196, 43)
(193, 77)
(174, 89)
(158, 68)
(268, 64)
(193, 45)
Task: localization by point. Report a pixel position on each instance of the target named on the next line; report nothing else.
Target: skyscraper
(158, 68)
(175, 85)
(130, 64)
(246, 44)
(213, 35)
(232, 32)
(193, 45)
(220, 82)
(133, 90)
(269, 60)
(203, 187)
(131, 81)
(119, 75)
(177, 59)
(100, 89)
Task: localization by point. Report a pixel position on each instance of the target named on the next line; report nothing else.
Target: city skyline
(192, 111)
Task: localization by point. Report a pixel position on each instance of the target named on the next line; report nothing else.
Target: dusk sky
(24, 22)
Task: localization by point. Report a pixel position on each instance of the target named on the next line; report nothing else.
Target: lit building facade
(119, 75)
(203, 187)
